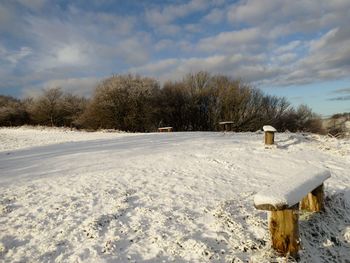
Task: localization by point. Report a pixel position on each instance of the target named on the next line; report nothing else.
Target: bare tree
(124, 102)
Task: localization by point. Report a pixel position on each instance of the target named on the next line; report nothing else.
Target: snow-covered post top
(268, 128)
(269, 134)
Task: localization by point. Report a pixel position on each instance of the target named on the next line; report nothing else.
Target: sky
(298, 49)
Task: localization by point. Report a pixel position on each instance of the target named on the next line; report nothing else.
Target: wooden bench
(282, 199)
(165, 129)
(226, 125)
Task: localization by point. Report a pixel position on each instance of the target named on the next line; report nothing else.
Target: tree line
(134, 103)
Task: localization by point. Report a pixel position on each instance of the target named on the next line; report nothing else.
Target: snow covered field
(181, 197)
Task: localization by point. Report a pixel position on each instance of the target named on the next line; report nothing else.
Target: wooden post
(314, 201)
(284, 229)
(269, 137)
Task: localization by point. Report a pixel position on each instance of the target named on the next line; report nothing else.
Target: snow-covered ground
(182, 197)
(29, 136)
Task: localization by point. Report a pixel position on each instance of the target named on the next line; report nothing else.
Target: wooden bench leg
(284, 231)
(314, 201)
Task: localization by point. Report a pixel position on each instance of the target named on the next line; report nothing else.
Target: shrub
(12, 112)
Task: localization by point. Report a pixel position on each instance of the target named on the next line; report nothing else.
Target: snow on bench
(287, 192)
(282, 198)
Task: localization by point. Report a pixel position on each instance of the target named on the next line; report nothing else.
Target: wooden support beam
(269, 138)
(314, 201)
(284, 230)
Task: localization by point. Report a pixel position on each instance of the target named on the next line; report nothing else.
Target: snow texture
(268, 128)
(29, 136)
(162, 197)
(289, 191)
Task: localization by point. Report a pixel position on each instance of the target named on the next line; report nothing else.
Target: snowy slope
(29, 136)
(182, 197)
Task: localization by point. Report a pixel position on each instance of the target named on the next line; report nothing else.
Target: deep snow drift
(182, 197)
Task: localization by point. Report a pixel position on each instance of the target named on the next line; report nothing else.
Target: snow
(288, 191)
(29, 136)
(160, 197)
(268, 128)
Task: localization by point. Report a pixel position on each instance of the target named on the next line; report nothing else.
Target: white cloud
(5, 15)
(323, 41)
(215, 16)
(163, 44)
(280, 18)
(270, 42)
(70, 54)
(169, 13)
(35, 5)
(342, 91)
(97, 40)
(133, 50)
(234, 40)
(156, 68)
(252, 11)
(288, 47)
(78, 86)
(168, 29)
(285, 58)
(193, 28)
(9, 20)
(239, 66)
(328, 58)
(14, 56)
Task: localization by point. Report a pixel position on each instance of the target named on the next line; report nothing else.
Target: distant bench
(226, 125)
(165, 129)
(282, 199)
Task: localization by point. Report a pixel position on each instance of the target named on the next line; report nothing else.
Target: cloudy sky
(299, 49)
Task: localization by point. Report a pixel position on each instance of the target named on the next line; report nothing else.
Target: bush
(198, 102)
(12, 112)
(55, 108)
(125, 103)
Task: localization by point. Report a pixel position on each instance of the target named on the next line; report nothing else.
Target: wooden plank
(165, 129)
(284, 230)
(290, 190)
(314, 201)
(225, 122)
